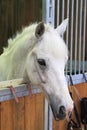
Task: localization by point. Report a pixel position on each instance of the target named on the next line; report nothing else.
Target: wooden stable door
(82, 89)
(28, 114)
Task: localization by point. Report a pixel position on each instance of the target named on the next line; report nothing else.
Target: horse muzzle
(59, 110)
(59, 114)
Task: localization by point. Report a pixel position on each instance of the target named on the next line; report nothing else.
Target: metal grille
(75, 37)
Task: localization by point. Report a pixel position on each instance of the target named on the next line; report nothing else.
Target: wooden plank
(7, 115)
(30, 113)
(38, 10)
(82, 89)
(25, 115)
(29, 11)
(39, 112)
(12, 115)
(18, 114)
(59, 125)
(34, 108)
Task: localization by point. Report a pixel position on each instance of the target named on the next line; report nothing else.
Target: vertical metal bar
(50, 119)
(67, 32)
(80, 37)
(53, 13)
(71, 37)
(48, 11)
(76, 34)
(46, 115)
(44, 17)
(63, 10)
(58, 12)
(84, 34)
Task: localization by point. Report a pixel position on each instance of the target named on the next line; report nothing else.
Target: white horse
(38, 55)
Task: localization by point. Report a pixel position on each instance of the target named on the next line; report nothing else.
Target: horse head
(45, 67)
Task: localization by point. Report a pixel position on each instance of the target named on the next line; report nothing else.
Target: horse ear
(62, 27)
(40, 29)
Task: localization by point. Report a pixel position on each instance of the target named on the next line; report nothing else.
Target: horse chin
(58, 116)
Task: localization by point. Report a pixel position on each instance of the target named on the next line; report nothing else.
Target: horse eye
(41, 62)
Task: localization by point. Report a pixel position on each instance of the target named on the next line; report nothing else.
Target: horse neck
(16, 57)
(19, 58)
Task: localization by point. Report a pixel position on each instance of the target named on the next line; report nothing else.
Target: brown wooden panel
(39, 112)
(7, 115)
(18, 114)
(12, 115)
(30, 105)
(28, 114)
(82, 89)
(59, 125)
(34, 112)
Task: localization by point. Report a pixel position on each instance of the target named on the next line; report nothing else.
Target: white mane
(20, 36)
(28, 33)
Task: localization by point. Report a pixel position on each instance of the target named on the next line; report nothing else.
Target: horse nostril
(61, 114)
(62, 110)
